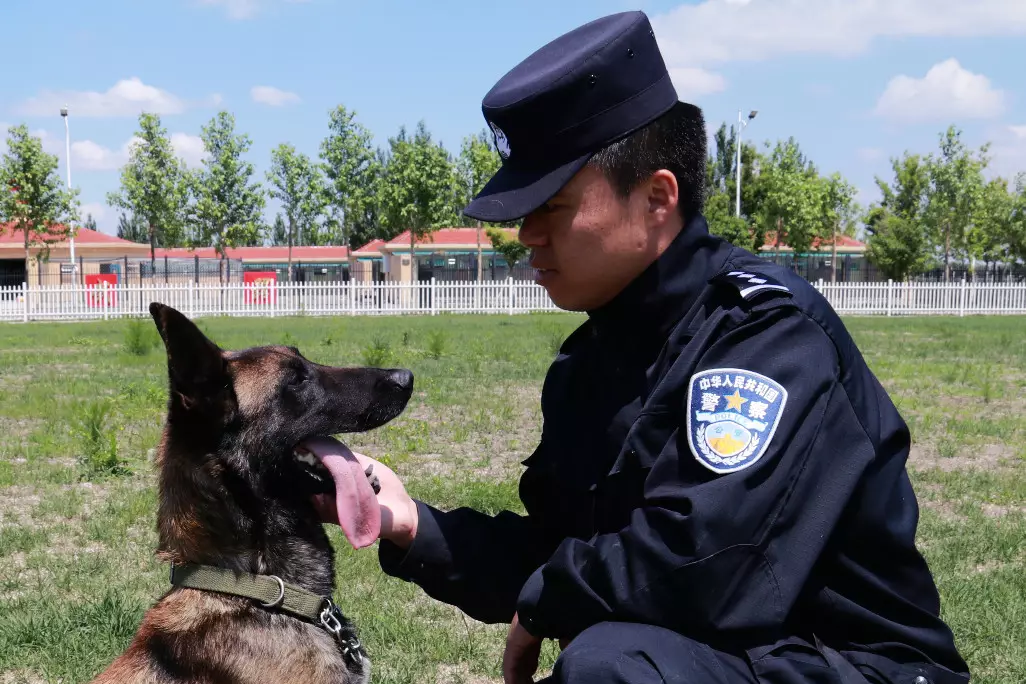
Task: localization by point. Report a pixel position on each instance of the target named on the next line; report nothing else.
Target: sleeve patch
(750, 283)
(732, 415)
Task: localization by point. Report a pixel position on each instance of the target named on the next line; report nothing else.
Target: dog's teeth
(305, 457)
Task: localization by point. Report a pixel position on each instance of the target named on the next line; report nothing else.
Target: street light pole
(741, 123)
(67, 149)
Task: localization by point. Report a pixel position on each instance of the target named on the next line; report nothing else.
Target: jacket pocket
(792, 661)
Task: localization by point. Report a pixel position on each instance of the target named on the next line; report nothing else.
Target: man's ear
(662, 195)
(195, 365)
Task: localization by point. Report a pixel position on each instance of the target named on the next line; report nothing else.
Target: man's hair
(676, 141)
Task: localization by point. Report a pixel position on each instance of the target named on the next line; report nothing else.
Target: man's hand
(399, 516)
(520, 659)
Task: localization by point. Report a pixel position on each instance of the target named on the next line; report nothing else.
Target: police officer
(719, 493)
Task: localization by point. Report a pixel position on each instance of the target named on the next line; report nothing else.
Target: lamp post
(741, 123)
(67, 143)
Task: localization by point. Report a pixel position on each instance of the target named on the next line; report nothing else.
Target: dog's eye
(300, 375)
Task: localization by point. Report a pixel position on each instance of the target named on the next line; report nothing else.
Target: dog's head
(242, 414)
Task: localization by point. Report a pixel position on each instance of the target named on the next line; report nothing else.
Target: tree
(350, 167)
(956, 178)
(793, 200)
(419, 188)
(32, 197)
(90, 222)
(478, 162)
(909, 196)
(839, 211)
(154, 185)
(132, 229)
(228, 202)
(296, 182)
(511, 249)
(279, 233)
(723, 221)
(899, 247)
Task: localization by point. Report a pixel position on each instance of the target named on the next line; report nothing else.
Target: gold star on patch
(735, 400)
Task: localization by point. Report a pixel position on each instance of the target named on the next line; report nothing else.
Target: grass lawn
(76, 541)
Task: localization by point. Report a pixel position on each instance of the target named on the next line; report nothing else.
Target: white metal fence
(432, 297)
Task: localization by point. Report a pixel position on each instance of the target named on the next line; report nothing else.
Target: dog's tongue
(359, 514)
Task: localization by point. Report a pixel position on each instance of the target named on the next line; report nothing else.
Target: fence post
(890, 295)
(192, 287)
(961, 299)
(509, 281)
(104, 293)
(433, 293)
(25, 299)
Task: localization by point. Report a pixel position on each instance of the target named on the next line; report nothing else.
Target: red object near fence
(98, 285)
(260, 286)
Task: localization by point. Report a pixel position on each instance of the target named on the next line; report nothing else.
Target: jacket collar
(664, 292)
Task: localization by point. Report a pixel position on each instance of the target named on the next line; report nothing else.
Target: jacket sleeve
(714, 553)
(468, 559)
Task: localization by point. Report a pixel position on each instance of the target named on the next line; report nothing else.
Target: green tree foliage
(132, 229)
(956, 192)
(352, 171)
(722, 220)
(90, 222)
(154, 185)
(793, 202)
(899, 246)
(33, 200)
(419, 189)
(229, 203)
(296, 182)
(477, 163)
(839, 213)
(511, 249)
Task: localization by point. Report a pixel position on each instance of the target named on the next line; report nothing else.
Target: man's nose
(532, 232)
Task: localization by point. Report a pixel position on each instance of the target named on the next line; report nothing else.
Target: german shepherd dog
(237, 492)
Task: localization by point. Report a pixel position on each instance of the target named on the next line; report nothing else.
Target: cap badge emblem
(501, 143)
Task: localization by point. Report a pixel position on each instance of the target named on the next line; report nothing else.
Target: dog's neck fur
(209, 513)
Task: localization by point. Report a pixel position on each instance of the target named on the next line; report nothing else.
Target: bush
(140, 337)
(98, 440)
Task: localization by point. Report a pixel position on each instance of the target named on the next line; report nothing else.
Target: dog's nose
(402, 378)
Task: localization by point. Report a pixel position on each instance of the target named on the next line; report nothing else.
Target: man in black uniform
(720, 492)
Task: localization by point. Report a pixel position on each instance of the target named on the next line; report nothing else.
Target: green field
(80, 412)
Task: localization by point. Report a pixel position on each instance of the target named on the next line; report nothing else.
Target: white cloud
(272, 96)
(106, 222)
(948, 91)
(189, 148)
(869, 153)
(235, 9)
(715, 32)
(1007, 152)
(244, 9)
(693, 82)
(127, 97)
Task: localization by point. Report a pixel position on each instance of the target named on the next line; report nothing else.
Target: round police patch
(732, 415)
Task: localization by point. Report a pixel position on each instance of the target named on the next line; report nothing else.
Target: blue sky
(855, 81)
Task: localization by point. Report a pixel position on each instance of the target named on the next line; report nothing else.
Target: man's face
(588, 243)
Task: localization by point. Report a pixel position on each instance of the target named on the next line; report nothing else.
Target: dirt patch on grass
(460, 674)
(996, 511)
(17, 504)
(945, 510)
(991, 457)
(18, 427)
(21, 677)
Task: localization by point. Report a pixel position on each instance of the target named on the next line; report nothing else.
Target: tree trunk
(292, 232)
(413, 259)
(478, 251)
(153, 251)
(833, 259)
(28, 256)
(947, 251)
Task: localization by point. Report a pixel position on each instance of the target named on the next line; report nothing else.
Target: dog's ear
(195, 365)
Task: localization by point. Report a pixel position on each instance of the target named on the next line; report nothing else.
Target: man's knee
(594, 656)
(628, 653)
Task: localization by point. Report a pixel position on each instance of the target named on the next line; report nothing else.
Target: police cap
(552, 112)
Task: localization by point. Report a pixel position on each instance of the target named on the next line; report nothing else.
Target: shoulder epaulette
(750, 283)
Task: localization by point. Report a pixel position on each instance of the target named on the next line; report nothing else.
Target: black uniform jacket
(647, 501)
